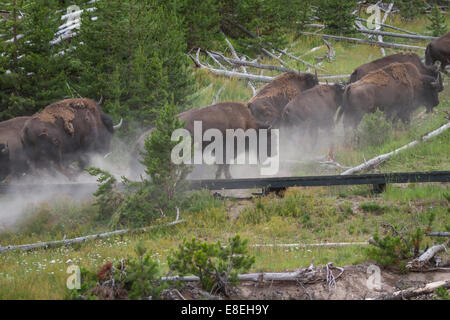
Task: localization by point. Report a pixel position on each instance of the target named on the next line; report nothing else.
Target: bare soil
(352, 285)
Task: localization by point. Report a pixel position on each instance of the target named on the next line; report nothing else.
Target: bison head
(311, 80)
(4, 160)
(431, 88)
(4, 150)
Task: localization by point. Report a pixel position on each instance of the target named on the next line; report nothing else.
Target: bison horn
(437, 83)
(99, 102)
(117, 126)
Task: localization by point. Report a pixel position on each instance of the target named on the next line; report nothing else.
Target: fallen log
(57, 243)
(270, 54)
(424, 258)
(438, 234)
(413, 292)
(301, 60)
(303, 275)
(252, 64)
(397, 35)
(363, 41)
(380, 38)
(235, 55)
(230, 74)
(308, 245)
(381, 158)
(389, 26)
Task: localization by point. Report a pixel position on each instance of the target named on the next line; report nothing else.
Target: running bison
(413, 58)
(4, 161)
(268, 104)
(439, 50)
(67, 131)
(13, 160)
(221, 116)
(313, 109)
(397, 90)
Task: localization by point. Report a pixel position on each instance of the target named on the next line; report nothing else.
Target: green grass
(308, 215)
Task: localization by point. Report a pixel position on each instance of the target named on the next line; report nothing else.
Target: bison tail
(344, 104)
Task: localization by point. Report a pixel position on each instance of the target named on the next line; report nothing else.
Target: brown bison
(67, 131)
(313, 109)
(13, 160)
(397, 90)
(221, 116)
(268, 104)
(439, 50)
(4, 161)
(413, 58)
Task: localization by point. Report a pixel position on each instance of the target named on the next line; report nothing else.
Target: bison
(313, 109)
(439, 50)
(413, 58)
(268, 104)
(396, 89)
(67, 131)
(4, 161)
(221, 116)
(13, 160)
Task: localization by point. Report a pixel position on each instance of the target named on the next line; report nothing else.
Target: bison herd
(70, 130)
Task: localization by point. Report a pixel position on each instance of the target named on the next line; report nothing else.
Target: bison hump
(377, 77)
(399, 73)
(65, 110)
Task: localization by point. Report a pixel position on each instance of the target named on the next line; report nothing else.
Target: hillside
(301, 216)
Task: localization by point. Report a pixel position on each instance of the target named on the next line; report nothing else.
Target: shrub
(437, 22)
(372, 207)
(151, 198)
(133, 278)
(374, 129)
(163, 192)
(395, 247)
(142, 280)
(216, 266)
(108, 197)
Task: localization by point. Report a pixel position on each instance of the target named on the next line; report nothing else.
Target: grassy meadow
(303, 215)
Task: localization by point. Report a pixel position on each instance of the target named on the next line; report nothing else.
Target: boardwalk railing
(379, 181)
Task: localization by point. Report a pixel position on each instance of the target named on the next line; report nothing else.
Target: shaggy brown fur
(10, 134)
(403, 57)
(67, 131)
(313, 109)
(66, 110)
(221, 116)
(268, 104)
(439, 50)
(406, 90)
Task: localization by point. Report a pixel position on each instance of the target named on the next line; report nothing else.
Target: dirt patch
(237, 208)
(352, 285)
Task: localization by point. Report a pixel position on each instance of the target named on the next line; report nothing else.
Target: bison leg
(227, 171)
(314, 132)
(219, 171)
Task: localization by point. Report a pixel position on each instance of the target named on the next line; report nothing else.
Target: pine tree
(32, 73)
(336, 15)
(133, 54)
(438, 25)
(410, 9)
